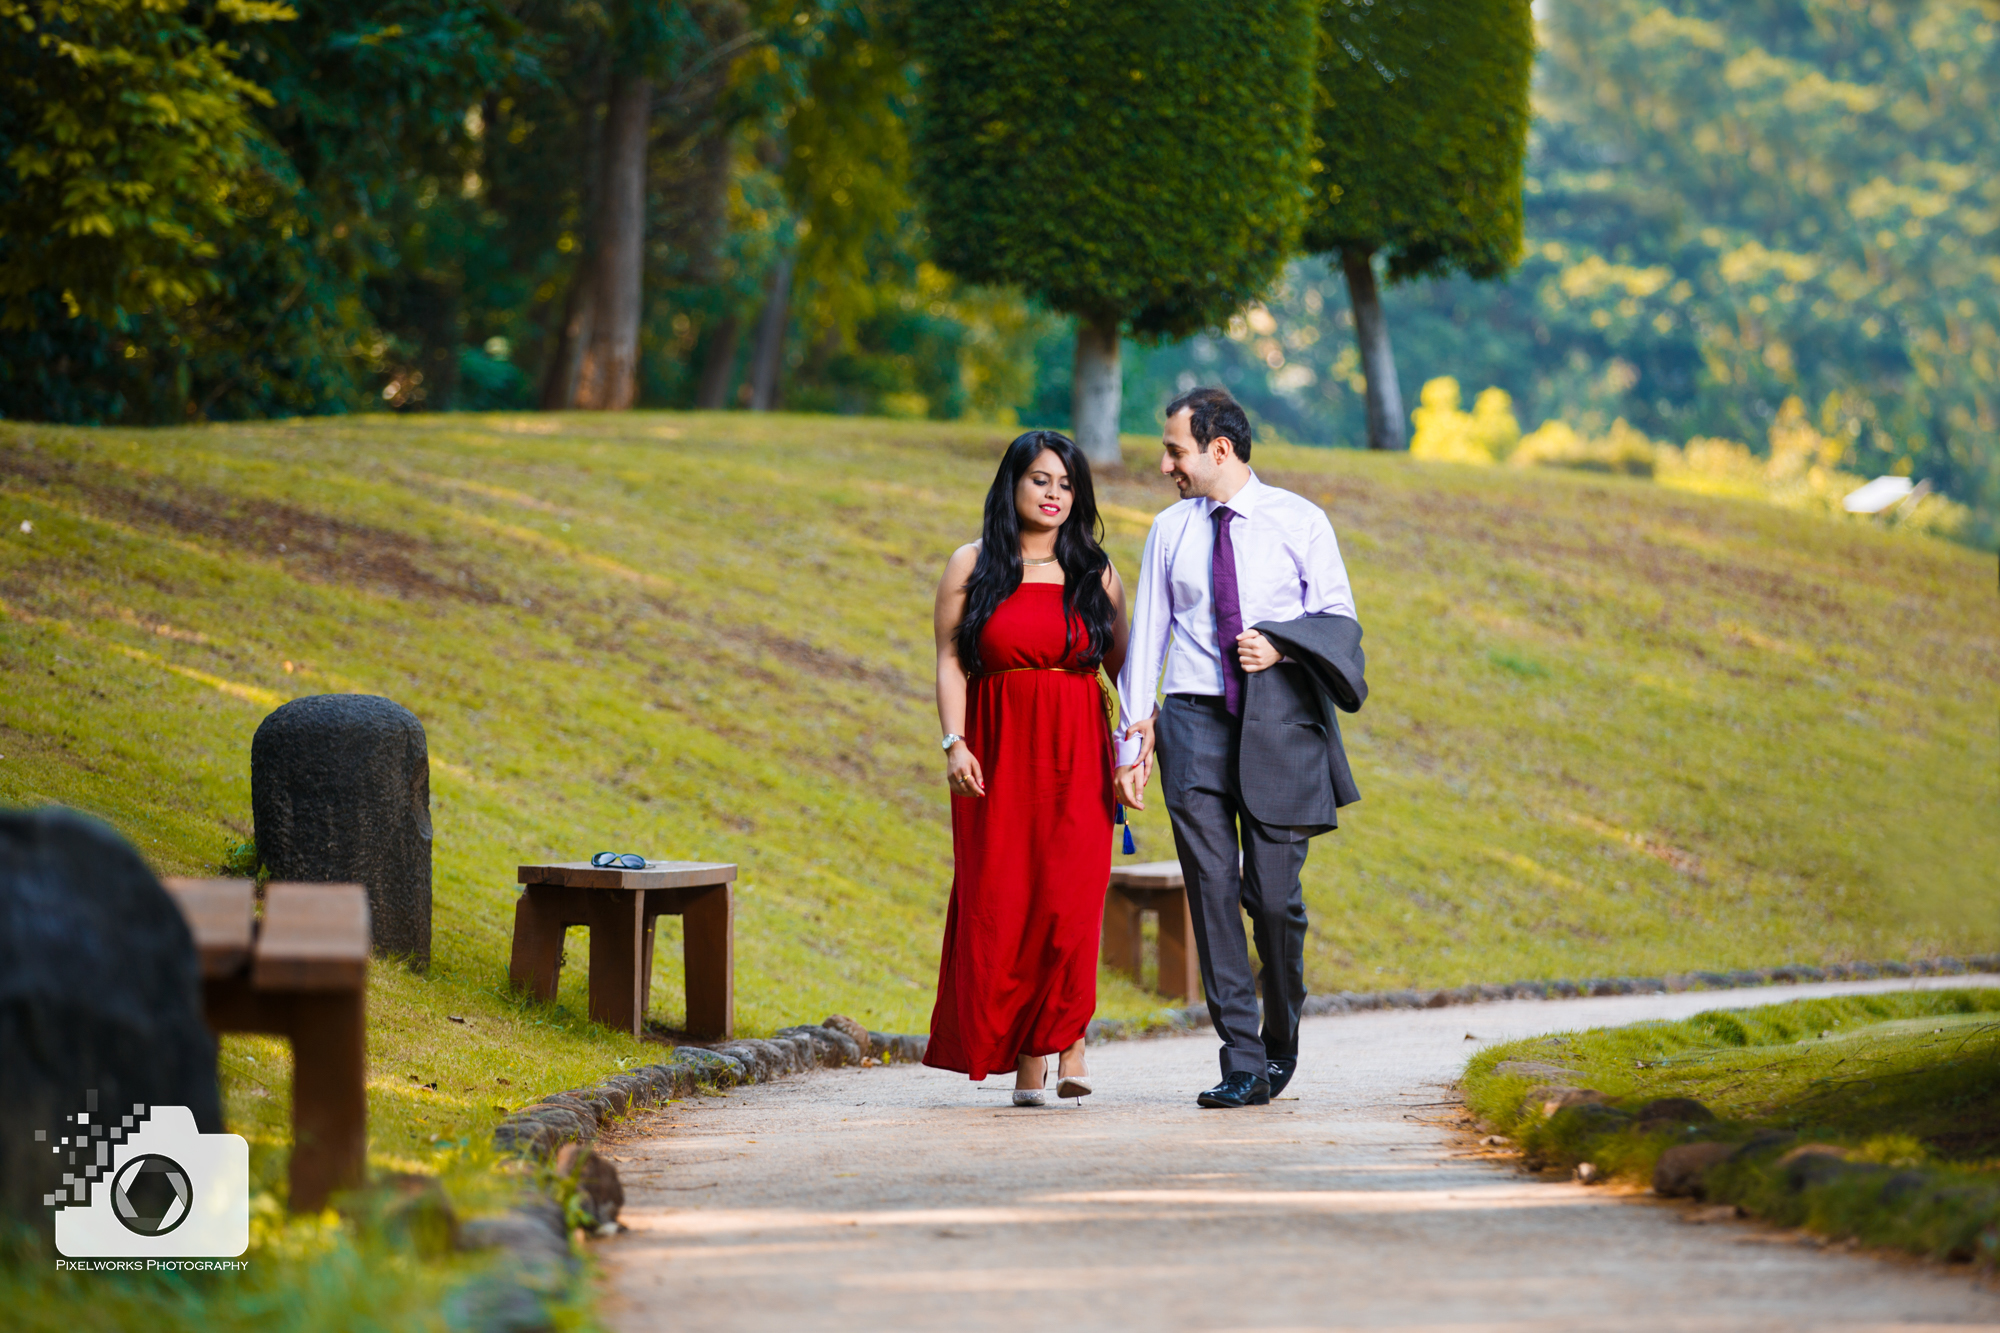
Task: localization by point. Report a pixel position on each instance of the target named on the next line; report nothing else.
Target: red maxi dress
(1033, 856)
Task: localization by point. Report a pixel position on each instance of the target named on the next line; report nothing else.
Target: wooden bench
(1157, 887)
(299, 972)
(620, 908)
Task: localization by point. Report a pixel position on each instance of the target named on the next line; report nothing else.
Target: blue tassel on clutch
(1118, 817)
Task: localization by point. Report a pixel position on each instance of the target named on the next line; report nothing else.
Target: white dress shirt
(1287, 565)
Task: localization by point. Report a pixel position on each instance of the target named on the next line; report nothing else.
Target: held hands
(1130, 780)
(962, 772)
(1256, 652)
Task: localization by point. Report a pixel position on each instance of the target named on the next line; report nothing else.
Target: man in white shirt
(1250, 760)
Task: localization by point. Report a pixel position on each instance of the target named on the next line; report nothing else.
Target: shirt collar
(1243, 502)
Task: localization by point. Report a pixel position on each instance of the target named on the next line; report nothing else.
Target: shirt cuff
(1128, 748)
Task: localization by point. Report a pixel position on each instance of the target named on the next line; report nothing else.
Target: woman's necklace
(1045, 560)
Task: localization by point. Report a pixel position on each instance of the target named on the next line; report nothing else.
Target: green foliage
(1129, 163)
(1904, 1080)
(129, 142)
(1421, 128)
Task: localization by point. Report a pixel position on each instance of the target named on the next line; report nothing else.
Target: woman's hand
(962, 772)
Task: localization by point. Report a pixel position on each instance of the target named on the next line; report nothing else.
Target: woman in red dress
(1026, 618)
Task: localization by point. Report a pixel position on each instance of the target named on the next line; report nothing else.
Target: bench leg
(536, 965)
(708, 949)
(1122, 949)
(615, 942)
(329, 1096)
(1180, 965)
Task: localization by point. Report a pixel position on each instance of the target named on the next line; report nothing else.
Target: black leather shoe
(1280, 1073)
(1237, 1090)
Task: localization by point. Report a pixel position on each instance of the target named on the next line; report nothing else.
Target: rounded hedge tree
(1140, 164)
(1422, 130)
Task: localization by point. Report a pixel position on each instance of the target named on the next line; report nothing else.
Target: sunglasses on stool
(619, 860)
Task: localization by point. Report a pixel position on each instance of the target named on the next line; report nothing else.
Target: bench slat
(221, 915)
(1148, 875)
(656, 875)
(315, 937)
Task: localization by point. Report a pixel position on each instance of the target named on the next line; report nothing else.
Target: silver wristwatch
(950, 741)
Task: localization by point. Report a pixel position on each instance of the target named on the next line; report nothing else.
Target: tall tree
(1137, 165)
(1422, 128)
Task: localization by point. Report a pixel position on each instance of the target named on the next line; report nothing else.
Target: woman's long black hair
(998, 572)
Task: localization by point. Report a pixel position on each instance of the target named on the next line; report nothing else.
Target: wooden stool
(620, 908)
(300, 973)
(1152, 886)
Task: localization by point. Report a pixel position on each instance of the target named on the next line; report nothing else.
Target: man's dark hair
(1212, 412)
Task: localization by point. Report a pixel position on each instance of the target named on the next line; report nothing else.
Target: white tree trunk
(768, 363)
(1097, 393)
(608, 375)
(1388, 428)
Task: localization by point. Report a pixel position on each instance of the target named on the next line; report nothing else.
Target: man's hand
(1256, 652)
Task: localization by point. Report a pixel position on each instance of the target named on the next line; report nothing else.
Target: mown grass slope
(1612, 729)
(1907, 1083)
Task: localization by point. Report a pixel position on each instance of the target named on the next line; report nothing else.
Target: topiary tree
(1139, 164)
(1422, 129)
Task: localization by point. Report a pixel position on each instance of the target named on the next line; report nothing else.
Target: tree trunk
(769, 362)
(566, 360)
(1387, 428)
(718, 364)
(607, 375)
(1096, 392)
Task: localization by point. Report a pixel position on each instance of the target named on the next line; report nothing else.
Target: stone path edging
(1171, 1021)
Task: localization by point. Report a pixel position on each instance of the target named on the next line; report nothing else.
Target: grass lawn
(1613, 729)
(1908, 1082)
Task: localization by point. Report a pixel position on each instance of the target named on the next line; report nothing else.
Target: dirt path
(905, 1198)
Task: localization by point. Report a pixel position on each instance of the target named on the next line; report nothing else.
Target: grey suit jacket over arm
(1292, 768)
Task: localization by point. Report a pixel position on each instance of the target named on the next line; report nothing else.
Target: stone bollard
(100, 1000)
(340, 790)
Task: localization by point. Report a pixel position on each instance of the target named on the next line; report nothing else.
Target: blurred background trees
(1136, 166)
(1422, 123)
(1725, 208)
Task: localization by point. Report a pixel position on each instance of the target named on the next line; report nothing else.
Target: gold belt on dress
(1110, 692)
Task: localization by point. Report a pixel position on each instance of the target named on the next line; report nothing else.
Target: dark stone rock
(1648, 986)
(1895, 969)
(1815, 1163)
(584, 1101)
(598, 1191)
(340, 790)
(411, 1210)
(1672, 1112)
(1709, 981)
(830, 1046)
(1530, 990)
(856, 1033)
(497, 1303)
(565, 1120)
(1550, 1098)
(1541, 1069)
(1493, 991)
(1863, 971)
(535, 1236)
(100, 997)
(1564, 989)
(1750, 977)
(526, 1137)
(1682, 1170)
(1401, 999)
(1585, 1111)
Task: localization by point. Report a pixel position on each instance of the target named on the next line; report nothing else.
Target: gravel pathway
(905, 1198)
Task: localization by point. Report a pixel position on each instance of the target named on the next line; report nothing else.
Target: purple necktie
(1228, 611)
